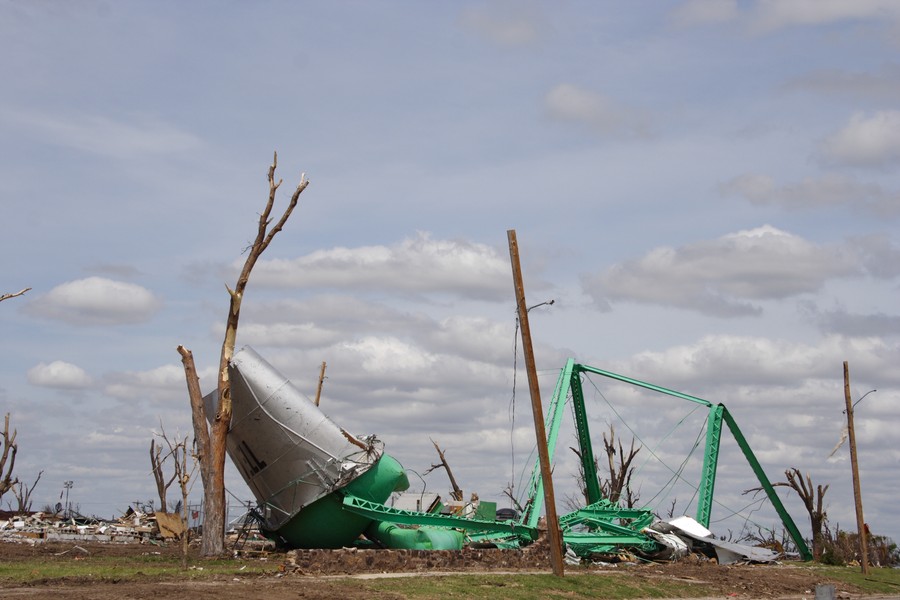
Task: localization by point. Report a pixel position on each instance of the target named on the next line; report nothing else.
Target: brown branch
(8, 296)
(198, 413)
(457, 492)
(353, 440)
(23, 493)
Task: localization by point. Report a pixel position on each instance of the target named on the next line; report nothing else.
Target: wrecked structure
(318, 486)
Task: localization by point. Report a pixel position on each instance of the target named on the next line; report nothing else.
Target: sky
(706, 189)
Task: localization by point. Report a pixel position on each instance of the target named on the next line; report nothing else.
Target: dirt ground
(321, 574)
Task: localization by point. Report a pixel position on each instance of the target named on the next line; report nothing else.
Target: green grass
(878, 581)
(40, 569)
(43, 570)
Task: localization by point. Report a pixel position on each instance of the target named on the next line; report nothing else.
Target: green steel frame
(570, 382)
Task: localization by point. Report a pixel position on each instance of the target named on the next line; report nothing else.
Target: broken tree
(457, 492)
(8, 458)
(156, 466)
(210, 440)
(14, 295)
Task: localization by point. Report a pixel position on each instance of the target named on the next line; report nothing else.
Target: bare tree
(22, 492)
(813, 501)
(8, 458)
(617, 487)
(210, 439)
(620, 473)
(156, 465)
(457, 492)
(178, 452)
(8, 296)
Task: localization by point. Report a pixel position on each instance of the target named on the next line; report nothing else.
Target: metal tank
(297, 462)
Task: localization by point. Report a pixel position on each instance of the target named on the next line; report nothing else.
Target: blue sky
(707, 189)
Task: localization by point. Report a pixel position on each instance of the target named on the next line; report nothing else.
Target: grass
(878, 581)
(47, 570)
(117, 568)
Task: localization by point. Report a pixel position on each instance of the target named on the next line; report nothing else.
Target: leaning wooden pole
(556, 556)
(854, 465)
(321, 381)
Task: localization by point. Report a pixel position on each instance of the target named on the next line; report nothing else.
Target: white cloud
(296, 335)
(59, 374)
(813, 193)
(775, 14)
(140, 136)
(729, 362)
(720, 277)
(866, 141)
(165, 383)
(702, 12)
(504, 23)
(571, 103)
(96, 301)
(419, 265)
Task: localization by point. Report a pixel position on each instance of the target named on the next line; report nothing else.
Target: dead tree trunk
(9, 456)
(812, 500)
(212, 452)
(457, 492)
(156, 465)
(619, 481)
(23, 492)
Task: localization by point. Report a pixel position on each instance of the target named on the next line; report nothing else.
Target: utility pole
(556, 557)
(854, 465)
(68, 485)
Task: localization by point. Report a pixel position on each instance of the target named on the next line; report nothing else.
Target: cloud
(59, 374)
(140, 136)
(504, 23)
(809, 194)
(96, 301)
(769, 15)
(840, 321)
(882, 86)
(720, 277)
(866, 141)
(567, 102)
(729, 362)
(419, 265)
(161, 383)
(879, 255)
(704, 12)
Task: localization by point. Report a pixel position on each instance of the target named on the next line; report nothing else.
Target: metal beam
(710, 464)
(767, 486)
(644, 384)
(380, 512)
(588, 466)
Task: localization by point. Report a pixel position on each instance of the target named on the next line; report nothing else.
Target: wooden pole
(321, 381)
(556, 557)
(854, 465)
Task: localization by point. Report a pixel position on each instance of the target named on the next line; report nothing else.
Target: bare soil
(323, 574)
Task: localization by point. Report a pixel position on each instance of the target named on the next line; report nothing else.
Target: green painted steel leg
(767, 486)
(710, 462)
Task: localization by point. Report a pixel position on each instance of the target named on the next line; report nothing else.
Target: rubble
(133, 527)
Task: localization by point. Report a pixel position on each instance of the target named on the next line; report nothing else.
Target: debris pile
(133, 527)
